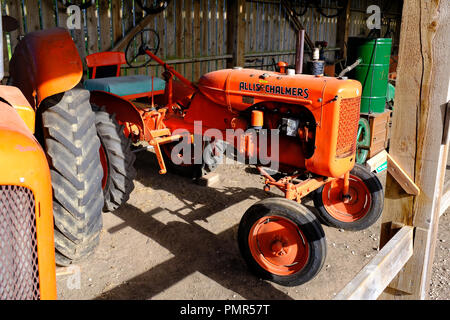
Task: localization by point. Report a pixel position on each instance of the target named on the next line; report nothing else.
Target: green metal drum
(372, 72)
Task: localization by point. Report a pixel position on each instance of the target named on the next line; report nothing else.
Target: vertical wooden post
(32, 15)
(236, 32)
(48, 14)
(196, 36)
(418, 142)
(105, 25)
(116, 20)
(343, 24)
(188, 37)
(78, 37)
(220, 32)
(92, 30)
(204, 35)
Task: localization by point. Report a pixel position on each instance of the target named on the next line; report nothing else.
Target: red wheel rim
(104, 162)
(278, 245)
(347, 210)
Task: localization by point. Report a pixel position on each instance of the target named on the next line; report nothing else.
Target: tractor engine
(317, 116)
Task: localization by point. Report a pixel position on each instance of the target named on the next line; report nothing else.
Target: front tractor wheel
(360, 210)
(71, 144)
(282, 241)
(116, 158)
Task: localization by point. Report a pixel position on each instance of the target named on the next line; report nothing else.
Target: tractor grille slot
(348, 127)
(19, 274)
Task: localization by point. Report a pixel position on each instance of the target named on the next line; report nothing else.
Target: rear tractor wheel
(282, 241)
(361, 210)
(71, 144)
(116, 158)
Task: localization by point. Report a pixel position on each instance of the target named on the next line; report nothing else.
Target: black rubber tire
(71, 144)
(307, 223)
(375, 188)
(120, 158)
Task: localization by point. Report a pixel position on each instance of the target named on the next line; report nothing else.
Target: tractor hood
(241, 88)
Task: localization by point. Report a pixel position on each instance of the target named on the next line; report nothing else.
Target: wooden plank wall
(187, 29)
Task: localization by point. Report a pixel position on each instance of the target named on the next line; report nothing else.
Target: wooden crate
(379, 132)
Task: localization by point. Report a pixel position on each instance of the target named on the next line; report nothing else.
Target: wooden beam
(48, 14)
(402, 177)
(92, 30)
(236, 32)
(445, 202)
(32, 15)
(105, 25)
(422, 92)
(116, 20)
(196, 36)
(188, 38)
(342, 32)
(370, 282)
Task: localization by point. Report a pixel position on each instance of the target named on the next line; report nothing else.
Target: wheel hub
(278, 248)
(350, 197)
(278, 245)
(350, 207)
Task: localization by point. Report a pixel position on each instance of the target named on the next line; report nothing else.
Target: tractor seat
(127, 86)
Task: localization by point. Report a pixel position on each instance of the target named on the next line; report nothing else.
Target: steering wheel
(153, 6)
(300, 7)
(147, 39)
(338, 4)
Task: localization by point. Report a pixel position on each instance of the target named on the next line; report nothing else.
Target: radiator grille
(348, 127)
(19, 274)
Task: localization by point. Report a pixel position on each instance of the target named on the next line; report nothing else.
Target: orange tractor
(27, 252)
(314, 120)
(311, 120)
(47, 68)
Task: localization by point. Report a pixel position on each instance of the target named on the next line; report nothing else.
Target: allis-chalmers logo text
(267, 88)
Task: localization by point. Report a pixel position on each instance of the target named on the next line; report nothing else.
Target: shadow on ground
(195, 248)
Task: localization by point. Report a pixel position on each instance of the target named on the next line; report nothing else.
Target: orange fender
(125, 112)
(23, 163)
(45, 63)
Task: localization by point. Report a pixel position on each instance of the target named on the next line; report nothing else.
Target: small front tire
(282, 241)
(357, 213)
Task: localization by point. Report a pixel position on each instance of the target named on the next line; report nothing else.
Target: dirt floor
(178, 240)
